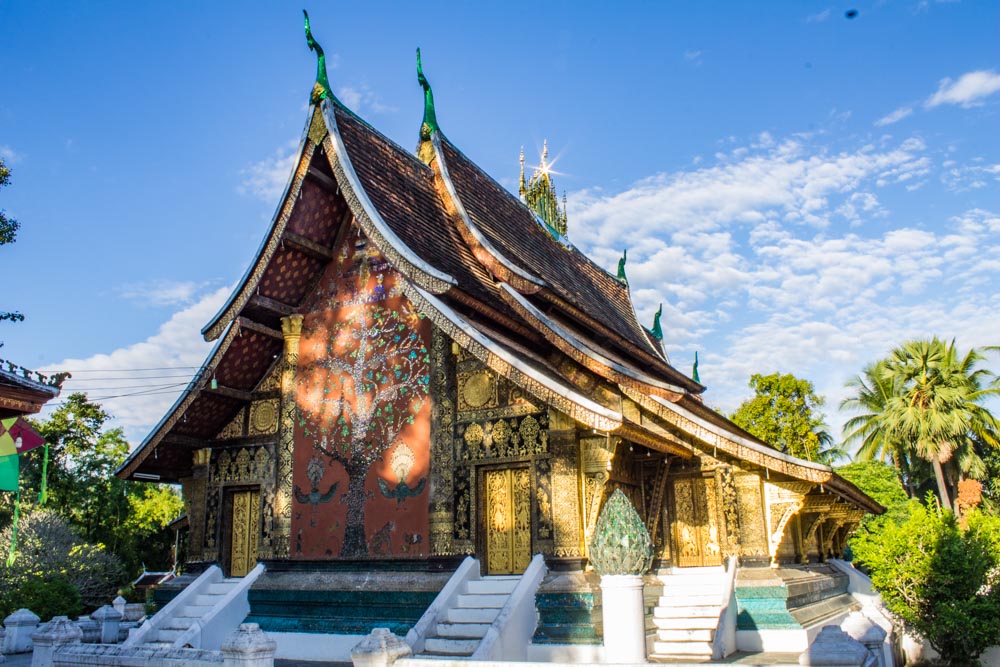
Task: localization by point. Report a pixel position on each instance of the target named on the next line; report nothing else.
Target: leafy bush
(47, 550)
(50, 597)
(941, 581)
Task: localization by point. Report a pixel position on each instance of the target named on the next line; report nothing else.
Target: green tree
(128, 518)
(784, 412)
(872, 391)
(939, 579)
(881, 482)
(49, 550)
(936, 407)
(8, 234)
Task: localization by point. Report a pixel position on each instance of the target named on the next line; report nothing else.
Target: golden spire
(522, 188)
(540, 194)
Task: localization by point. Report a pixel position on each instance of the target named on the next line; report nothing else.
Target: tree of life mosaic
(363, 384)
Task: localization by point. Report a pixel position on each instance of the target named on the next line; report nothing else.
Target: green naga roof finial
(621, 267)
(657, 331)
(694, 369)
(430, 123)
(321, 89)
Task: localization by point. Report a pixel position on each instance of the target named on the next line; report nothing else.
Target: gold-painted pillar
(291, 328)
(193, 490)
(565, 486)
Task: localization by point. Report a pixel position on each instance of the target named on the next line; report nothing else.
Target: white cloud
(267, 179)
(139, 398)
(9, 155)
(161, 292)
(692, 56)
(894, 117)
(968, 91)
(361, 99)
(756, 269)
(819, 17)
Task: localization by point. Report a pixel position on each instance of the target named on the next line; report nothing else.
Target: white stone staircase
(210, 607)
(686, 616)
(199, 607)
(461, 627)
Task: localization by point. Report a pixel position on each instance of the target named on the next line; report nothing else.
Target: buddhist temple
(417, 367)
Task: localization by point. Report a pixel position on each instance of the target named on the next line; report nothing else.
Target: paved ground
(742, 658)
(18, 660)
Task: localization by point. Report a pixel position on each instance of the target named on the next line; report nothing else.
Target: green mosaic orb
(621, 543)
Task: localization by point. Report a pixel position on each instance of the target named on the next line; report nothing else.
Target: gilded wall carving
(234, 466)
(235, 428)
(264, 417)
(753, 536)
(729, 508)
(442, 492)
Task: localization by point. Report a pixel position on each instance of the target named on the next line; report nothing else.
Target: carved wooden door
(696, 525)
(245, 526)
(507, 520)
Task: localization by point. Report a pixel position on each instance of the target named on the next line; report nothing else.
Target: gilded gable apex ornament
(321, 89)
(621, 267)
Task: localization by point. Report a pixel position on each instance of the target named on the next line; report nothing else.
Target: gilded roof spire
(540, 195)
(321, 89)
(523, 187)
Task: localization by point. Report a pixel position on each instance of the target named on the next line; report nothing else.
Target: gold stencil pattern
(264, 417)
(508, 520)
(233, 429)
(245, 528)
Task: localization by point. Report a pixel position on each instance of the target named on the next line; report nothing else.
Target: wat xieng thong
(419, 366)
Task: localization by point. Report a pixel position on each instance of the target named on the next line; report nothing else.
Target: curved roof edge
(502, 268)
(369, 218)
(753, 450)
(248, 283)
(504, 362)
(582, 352)
(187, 396)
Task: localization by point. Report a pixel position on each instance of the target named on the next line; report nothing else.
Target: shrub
(941, 581)
(50, 597)
(47, 549)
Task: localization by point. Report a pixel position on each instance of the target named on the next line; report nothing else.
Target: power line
(132, 370)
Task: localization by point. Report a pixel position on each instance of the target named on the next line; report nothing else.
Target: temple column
(193, 490)
(291, 328)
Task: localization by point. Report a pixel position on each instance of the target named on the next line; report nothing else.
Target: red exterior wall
(362, 437)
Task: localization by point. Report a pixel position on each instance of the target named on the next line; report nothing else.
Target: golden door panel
(245, 527)
(696, 529)
(507, 515)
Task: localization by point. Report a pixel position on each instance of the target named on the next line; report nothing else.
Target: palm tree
(935, 406)
(873, 390)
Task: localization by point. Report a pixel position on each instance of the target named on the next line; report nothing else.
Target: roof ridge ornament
(321, 89)
(657, 330)
(621, 267)
(429, 125)
(694, 369)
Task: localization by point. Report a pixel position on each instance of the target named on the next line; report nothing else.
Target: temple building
(419, 366)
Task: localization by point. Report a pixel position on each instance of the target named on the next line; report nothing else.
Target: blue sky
(801, 190)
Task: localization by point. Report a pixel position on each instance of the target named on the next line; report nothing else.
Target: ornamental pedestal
(624, 618)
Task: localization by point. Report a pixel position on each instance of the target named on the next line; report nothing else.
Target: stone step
(692, 589)
(220, 588)
(703, 649)
(193, 611)
(491, 601)
(168, 635)
(180, 623)
(451, 646)
(488, 586)
(686, 622)
(671, 658)
(681, 611)
(455, 615)
(462, 630)
(158, 644)
(693, 571)
(206, 600)
(688, 635)
(689, 600)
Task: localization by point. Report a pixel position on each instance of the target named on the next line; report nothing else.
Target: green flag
(8, 464)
